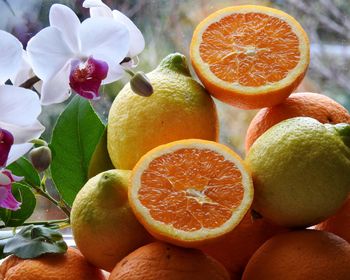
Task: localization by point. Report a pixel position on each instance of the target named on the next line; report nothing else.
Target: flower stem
(62, 223)
(129, 71)
(60, 204)
(30, 82)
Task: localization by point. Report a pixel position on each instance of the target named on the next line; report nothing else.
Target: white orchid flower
(137, 42)
(10, 55)
(14, 62)
(24, 73)
(19, 110)
(69, 54)
(19, 107)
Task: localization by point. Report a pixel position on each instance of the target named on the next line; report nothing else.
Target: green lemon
(301, 171)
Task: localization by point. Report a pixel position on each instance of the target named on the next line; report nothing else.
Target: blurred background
(167, 26)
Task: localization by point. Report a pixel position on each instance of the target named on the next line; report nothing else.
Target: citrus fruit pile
(181, 205)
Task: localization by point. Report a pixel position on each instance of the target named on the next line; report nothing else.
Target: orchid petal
(48, 52)
(18, 151)
(25, 71)
(25, 133)
(114, 73)
(20, 106)
(56, 90)
(6, 142)
(98, 8)
(110, 42)
(10, 55)
(7, 200)
(67, 22)
(137, 42)
(85, 78)
(4, 179)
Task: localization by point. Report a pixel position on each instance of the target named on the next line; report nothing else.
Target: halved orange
(250, 56)
(190, 192)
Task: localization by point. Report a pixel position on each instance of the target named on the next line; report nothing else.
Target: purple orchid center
(6, 142)
(86, 77)
(7, 200)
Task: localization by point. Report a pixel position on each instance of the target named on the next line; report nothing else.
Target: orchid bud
(40, 158)
(141, 85)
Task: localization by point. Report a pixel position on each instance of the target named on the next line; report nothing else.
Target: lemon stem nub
(176, 62)
(343, 130)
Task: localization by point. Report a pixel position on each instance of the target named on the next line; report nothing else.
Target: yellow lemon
(104, 227)
(179, 108)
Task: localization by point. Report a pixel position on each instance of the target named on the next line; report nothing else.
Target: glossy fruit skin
(303, 104)
(69, 266)
(339, 223)
(104, 227)
(303, 254)
(237, 247)
(179, 108)
(300, 172)
(162, 261)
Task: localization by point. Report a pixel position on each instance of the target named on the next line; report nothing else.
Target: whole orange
(339, 223)
(162, 261)
(306, 104)
(69, 266)
(304, 254)
(235, 249)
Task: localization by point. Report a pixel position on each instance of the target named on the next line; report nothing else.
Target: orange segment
(250, 56)
(190, 191)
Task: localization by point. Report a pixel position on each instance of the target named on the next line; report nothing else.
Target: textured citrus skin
(164, 231)
(161, 261)
(304, 104)
(104, 227)
(236, 248)
(305, 254)
(300, 171)
(69, 266)
(232, 94)
(339, 223)
(179, 108)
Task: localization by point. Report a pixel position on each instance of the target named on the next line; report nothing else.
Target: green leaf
(32, 241)
(16, 218)
(100, 160)
(74, 138)
(22, 167)
(4, 238)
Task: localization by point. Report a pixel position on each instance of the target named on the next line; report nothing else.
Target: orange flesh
(250, 49)
(191, 189)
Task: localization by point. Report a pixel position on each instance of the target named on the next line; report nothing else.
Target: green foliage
(100, 160)
(22, 167)
(33, 241)
(75, 136)
(4, 237)
(23, 194)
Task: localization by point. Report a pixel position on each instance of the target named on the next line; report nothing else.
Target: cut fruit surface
(190, 191)
(250, 56)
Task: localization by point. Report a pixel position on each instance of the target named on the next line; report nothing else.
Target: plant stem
(30, 82)
(60, 204)
(130, 72)
(60, 223)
